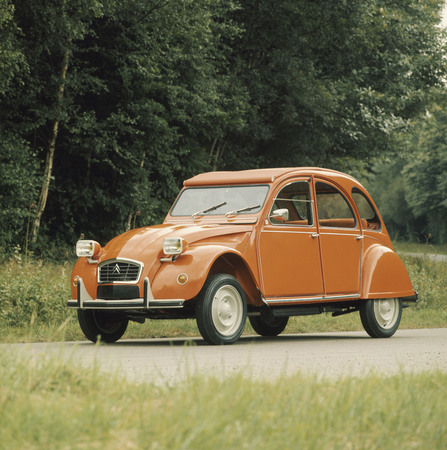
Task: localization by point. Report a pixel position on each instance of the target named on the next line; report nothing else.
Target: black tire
(271, 328)
(221, 310)
(381, 317)
(106, 326)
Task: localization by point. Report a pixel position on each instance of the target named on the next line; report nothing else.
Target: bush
(33, 293)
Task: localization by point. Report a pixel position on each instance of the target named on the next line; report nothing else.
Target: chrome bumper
(84, 301)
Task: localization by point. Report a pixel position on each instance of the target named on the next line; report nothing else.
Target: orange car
(267, 244)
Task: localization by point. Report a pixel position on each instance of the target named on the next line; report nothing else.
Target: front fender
(87, 271)
(195, 263)
(384, 274)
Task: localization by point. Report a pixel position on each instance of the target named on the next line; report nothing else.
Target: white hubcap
(227, 310)
(386, 312)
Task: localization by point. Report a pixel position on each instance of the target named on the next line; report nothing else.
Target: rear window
(368, 214)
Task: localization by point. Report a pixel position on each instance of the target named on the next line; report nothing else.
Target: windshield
(220, 200)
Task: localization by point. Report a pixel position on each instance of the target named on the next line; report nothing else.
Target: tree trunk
(216, 151)
(133, 215)
(50, 153)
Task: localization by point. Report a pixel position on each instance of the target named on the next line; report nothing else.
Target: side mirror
(280, 215)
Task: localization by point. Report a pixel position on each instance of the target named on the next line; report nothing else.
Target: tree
(425, 175)
(158, 93)
(115, 103)
(334, 79)
(50, 32)
(17, 165)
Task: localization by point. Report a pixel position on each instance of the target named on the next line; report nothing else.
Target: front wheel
(106, 326)
(381, 318)
(221, 310)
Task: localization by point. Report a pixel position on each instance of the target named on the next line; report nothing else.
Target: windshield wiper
(211, 208)
(237, 211)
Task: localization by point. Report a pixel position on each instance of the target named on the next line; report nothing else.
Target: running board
(296, 311)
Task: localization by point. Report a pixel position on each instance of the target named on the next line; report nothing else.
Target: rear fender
(384, 274)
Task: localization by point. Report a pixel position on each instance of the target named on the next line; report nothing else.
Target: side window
(333, 208)
(368, 215)
(293, 205)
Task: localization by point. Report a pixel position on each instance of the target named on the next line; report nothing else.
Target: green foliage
(428, 278)
(157, 91)
(18, 183)
(425, 175)
(55, 403)
(411, 190)
(12, 61)
(333, 80)
(33, 294)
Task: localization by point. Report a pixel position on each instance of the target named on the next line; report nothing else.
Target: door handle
(314, 235)
(359, 238)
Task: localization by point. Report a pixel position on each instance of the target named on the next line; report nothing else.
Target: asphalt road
(432, 256)
(168, 361)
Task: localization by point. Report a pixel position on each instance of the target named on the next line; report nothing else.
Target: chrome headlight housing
(174, 246)
(87, 249)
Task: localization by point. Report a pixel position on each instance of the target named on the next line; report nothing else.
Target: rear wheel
(221, 310)
(381, 318)
(106, 326)
(268, 328)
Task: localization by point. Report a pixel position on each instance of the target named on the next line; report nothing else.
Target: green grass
(51, 403)
(33, 304)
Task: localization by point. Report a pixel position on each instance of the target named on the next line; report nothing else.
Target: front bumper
(84, 301)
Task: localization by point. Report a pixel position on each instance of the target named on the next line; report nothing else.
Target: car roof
(260, 175)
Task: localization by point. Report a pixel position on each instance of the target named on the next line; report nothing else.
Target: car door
(340, 240)
(288, 246)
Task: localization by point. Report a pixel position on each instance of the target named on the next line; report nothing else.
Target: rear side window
(333, 208)
(368, 215)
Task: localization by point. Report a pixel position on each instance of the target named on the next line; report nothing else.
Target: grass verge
(33, 305)
(50, 403)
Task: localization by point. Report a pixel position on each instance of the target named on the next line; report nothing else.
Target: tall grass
(33, 300)
(429, 278)
(51, 403)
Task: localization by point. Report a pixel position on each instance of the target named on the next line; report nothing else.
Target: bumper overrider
(85, 301)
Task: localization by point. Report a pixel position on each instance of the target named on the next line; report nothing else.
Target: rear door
(340, 240)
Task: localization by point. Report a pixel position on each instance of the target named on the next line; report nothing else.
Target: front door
(289, 247)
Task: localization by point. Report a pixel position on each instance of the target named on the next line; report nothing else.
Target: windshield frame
(230, 207)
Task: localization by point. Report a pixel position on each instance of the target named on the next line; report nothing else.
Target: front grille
(119, 271)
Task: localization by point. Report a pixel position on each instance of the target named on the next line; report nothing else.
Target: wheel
(381, 318)
(221, 310)
(272, 328)
(107, 326)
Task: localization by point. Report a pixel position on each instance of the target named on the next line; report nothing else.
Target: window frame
(356, 190)
(310, 202)
(348, 203)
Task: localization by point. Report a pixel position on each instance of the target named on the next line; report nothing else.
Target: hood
(149, 240)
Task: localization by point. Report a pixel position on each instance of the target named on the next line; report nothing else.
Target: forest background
(105, 108)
